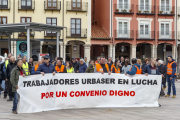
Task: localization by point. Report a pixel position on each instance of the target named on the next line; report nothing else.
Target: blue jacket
(134, 69)
(32, 71)
(173, 68)
(82, 68)
(147, 69)
(46, 69)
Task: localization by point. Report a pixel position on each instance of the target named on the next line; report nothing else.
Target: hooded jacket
(134, 69)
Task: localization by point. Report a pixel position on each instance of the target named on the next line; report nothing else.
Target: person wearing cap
(74, 64)
(82, 66)
(46, 67)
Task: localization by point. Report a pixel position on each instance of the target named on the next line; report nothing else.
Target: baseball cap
(47, 57)
(73, 58)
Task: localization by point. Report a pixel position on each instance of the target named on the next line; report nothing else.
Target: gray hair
(160, 61)
(82, 60)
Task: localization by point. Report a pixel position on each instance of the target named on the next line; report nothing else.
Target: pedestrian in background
(10, 66)
(25, 65)
(60, 68)
(90, 68)
(86, 61)
(164, 80)
(16, 72)
(75, 65)
(115, 68)
(171, 75)
(146, 62)
(69, 67)
(126, 67)
(162, 70)
(98, 60)
(139, 62)
(30, 64)
(33, 68)
(82, 66)
(2, 76)
(46, 67)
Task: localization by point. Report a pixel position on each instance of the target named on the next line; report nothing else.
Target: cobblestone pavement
(170, 110)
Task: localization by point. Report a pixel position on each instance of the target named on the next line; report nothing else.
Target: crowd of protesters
(11, 69)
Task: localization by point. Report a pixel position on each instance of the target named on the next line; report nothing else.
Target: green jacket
(90, 69)
(15, 78)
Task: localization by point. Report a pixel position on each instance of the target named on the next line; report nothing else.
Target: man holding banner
(135, 68)
(16, 72)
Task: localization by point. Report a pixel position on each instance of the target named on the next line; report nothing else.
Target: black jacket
(2, 74)
(75, 66)
(30, 66)
(143, 66)
(110, 64)
(162, 70)
(10, 66)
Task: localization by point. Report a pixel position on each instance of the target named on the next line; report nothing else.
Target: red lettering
(58, 95)
(126, 93)
(111, 93)
(132, 93)
(47, 95)
(92, 93)
(42, 95)
(64, 94)
(51, 94)
(104, 92)
(82, 93)
(97, 93)
(77, 93)
(87, 93)
(71, 94)
(116, 93)
(120, 93)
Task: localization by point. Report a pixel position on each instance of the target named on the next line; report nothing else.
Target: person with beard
(10, 66)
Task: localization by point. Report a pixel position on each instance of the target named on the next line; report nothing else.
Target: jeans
(164, 82)
(15, 101)
(171, 83)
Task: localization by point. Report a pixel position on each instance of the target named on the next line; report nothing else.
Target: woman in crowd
(90, 68)
(116, 68)
(139, 62)
(126, 67)
(146, 62)
(69, 67)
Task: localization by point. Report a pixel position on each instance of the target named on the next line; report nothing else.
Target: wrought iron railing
(162, 35)
(143, 34)
(72, 32)
(145, 9)
(124, 8)
(124, 34)
(5, 5)
(26, 5)
(55, 5)
(79, 6)
(166, 10)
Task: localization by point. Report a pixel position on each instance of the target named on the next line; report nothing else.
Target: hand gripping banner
(67, 91)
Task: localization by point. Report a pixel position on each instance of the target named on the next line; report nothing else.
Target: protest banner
(93, 90)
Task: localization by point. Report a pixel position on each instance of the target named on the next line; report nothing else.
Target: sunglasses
(45, 58)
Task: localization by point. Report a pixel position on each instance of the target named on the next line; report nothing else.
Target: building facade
(137, 28)
(75, 15)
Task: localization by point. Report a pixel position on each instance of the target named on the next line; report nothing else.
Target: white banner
(66, 91)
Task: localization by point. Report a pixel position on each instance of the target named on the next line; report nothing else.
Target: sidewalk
(170, 110)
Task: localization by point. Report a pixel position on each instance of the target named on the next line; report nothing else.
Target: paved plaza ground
(170, 110)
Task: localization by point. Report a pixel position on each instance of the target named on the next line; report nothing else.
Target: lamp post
(122, 48)
(74, 47)
(164, 48)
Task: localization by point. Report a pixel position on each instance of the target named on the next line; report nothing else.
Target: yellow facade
(38, 14)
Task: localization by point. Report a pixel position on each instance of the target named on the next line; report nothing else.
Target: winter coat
(9, 68)
(82, 68)
(90, 69)
(46, 69)
(134, 69)
(147, 69)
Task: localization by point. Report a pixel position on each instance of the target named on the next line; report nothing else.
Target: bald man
(10, 66)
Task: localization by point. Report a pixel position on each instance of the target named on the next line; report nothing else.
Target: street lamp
(74, 47)
(164, 49)
(122, 49)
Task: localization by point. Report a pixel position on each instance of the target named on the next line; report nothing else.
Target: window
(165, 30)
(3, 20)
(26, 4)
(165, 6)
(3, 3)
(76, 5)
(123, 29)
(144, 5)
(75, 27)
(51, 21)
(52, 3)
(25, 19)
(123, 5)
(144, 30)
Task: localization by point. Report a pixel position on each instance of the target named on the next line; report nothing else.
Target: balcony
(145, 10)
(166, 10)
(145, 35)
(166, 35)
(49, 34)
(124, 34)
(124, 9)
(76, 33)
(52, 6)
(5, 5)
(26, 6)
(78, 7)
